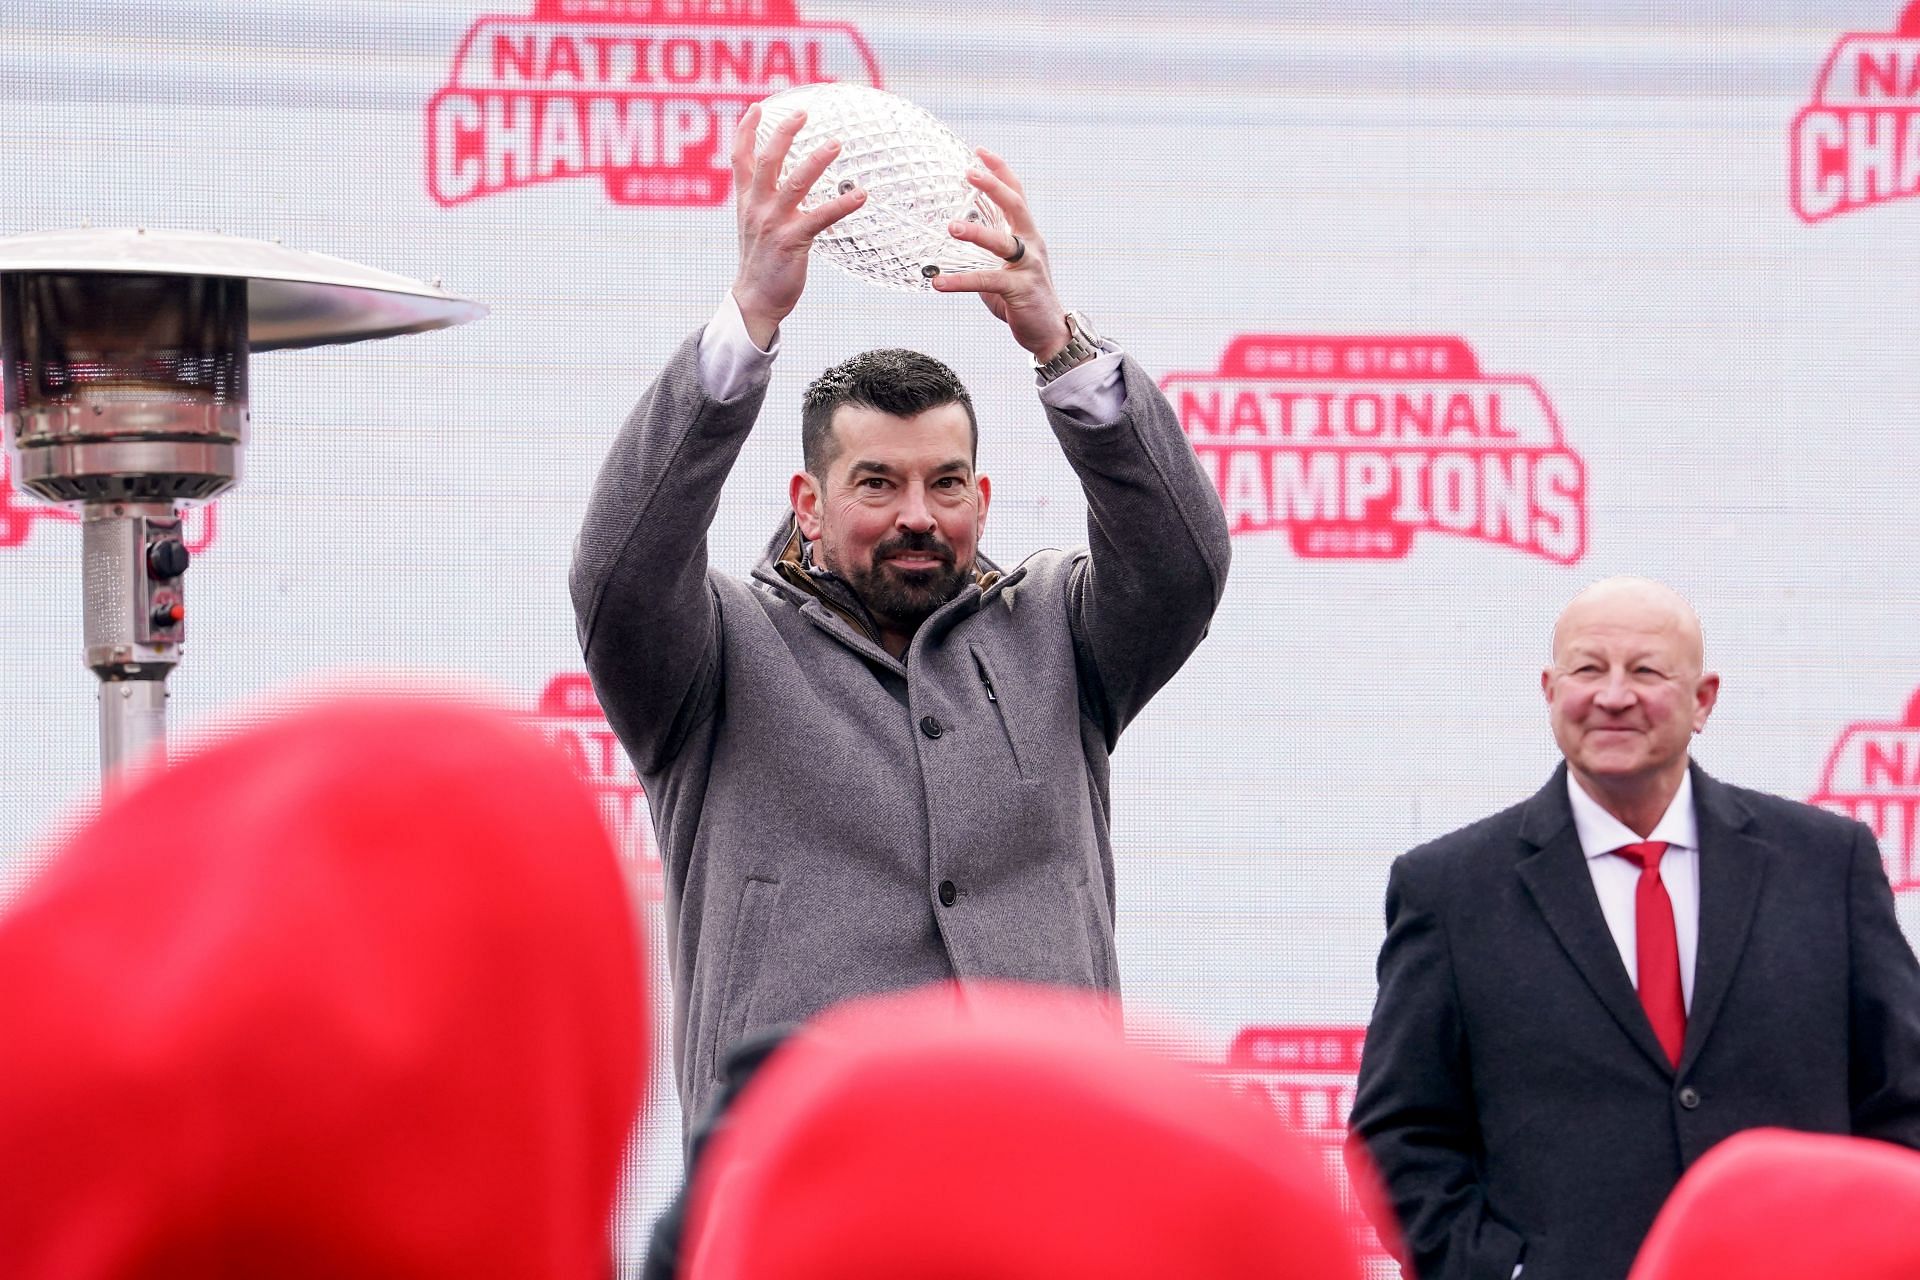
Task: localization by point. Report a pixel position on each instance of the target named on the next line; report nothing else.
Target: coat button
(931, 727)
(948, 893)
(1689, 1097)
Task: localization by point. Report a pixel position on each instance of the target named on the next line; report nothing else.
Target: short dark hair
(892, 380)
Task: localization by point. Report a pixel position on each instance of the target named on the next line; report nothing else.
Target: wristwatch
(1083, 344)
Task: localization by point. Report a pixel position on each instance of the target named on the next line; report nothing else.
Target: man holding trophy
(883, 761)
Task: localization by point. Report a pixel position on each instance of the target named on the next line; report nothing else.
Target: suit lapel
(1556, 875)
(1733, 862)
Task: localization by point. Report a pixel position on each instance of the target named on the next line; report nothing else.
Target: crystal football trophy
(914, 171)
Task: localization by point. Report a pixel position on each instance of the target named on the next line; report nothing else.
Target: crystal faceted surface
(913, 169)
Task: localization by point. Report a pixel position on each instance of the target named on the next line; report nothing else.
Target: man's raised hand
(775, 234)
(1020, 293)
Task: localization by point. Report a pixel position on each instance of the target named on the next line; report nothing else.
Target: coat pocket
(996, 699)
(746, 951)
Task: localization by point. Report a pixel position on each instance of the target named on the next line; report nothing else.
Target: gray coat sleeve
(1884, 1006)
(1157, 551)
(1413, 1109)
(648, 621)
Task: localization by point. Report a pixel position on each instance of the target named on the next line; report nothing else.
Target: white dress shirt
(1615, 878)
(730, 364)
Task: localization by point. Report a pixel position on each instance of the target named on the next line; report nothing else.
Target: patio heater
(124, 358)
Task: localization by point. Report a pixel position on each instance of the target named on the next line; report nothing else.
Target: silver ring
(1019, 248)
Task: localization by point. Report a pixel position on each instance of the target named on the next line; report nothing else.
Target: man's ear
(986, 496)
(1705, 694)
(803, 491)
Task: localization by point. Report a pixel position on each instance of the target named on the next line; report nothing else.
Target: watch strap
(1083, 344)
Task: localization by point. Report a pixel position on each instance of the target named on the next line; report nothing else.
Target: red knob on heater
(169, 615)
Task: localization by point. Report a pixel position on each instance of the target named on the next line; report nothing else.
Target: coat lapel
(1556, 875)
(1733, 863)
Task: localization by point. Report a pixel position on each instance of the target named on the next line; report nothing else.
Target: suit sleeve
(1884, 1009)
(1413, 1110)
(648, 622)
(1156, 563)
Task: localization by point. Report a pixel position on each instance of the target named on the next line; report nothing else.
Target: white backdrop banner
(1464, 304)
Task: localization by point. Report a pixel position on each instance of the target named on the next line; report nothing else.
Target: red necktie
(1657, 949)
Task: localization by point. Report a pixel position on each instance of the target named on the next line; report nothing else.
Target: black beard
(904, 598)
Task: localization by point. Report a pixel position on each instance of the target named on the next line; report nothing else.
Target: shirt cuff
(730, 364)
(1092, 393)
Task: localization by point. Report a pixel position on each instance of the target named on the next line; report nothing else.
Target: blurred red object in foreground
(1773, 1205)
(983, 1133)
(354, 993)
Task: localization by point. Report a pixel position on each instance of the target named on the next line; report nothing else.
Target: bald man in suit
(1580, 995)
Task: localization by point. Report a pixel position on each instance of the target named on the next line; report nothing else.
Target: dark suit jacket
(1512, 1093)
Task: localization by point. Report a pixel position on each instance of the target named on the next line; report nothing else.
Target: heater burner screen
(108, 338)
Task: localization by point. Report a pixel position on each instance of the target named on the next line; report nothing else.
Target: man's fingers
(1011, 202)
(971, 232)
(1000, 169)
(1002, 244)
(813, 222)
(766, 174)
(806, 173)
(973, 282)
(743, 134)
(993, 164)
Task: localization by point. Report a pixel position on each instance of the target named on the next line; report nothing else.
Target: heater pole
(131, 562)
(133, 727)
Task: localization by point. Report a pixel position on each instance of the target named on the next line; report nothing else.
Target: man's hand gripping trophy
(777, 235)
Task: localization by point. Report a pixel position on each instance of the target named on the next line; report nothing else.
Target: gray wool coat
(835, 822)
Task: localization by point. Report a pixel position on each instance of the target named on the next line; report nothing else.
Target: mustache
(922, 544)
